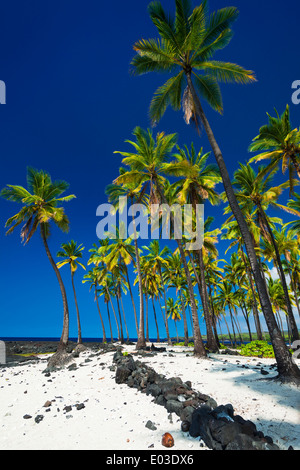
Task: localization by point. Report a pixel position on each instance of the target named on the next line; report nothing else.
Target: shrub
(257, 349)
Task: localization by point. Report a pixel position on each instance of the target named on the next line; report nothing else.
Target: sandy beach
(83, 408)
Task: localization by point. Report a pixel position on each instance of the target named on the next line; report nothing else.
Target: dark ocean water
(89, 340)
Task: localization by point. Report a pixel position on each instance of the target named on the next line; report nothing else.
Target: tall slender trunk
(124, 317)
(132, 300)
(120, 319)
(185, 326)
(147, 318)
(63, 342)
(165, 300)
(199, 349)
(255, 306)
(211, 340)
(79, 339)
(114, 312)
(213, 316)
(141, 342)
(176, 332)
(109, 321)
(101, 319)
(292, 322)
(287, 369)
(155, 319)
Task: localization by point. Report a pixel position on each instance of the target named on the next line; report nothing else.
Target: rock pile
(200, 415)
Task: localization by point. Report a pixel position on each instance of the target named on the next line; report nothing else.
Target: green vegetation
(257, 349)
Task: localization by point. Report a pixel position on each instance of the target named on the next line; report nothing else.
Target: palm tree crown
(41, 204)
(186, 45)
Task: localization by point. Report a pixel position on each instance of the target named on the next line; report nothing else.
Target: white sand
(114, 416)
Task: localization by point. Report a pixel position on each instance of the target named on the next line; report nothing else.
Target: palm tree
(41, 206)
(146, 168)
(92, 277)
(256, 190)
(71, 252)
(280, 144)
(105, 278)
(187, 44)
(104, 289)
(157, 260)
(132, 192)
(173, 312)
(196, 185)
(175, 276)
(228, 298)
(234, 233)
(121, 252)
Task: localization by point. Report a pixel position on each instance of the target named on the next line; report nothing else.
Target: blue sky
(71, 103)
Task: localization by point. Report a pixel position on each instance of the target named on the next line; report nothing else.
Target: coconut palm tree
(105, 290)
(132, 192)
(146, 167)
(121, 252)
(228, 298)
(280, 144)
(71, 252)
(196, 184)
(256, 190)
(105, 278)
(185, 47)
(157, 261)
(92, 277)
(233, 233)
(175, 276)
(173, 312)
(42, 205)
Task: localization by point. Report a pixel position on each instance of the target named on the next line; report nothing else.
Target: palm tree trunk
(141, 342)
(114, 312)
(101, 319)
(155, 319)
(176, 332)
(124, 317)
(185, 326)
(255, 307)
(132, 300)
(109, 321)
(119, 311)
(65, 332)
(79, 339)
(199, 349)
(165, 300)
(287, 369)
(147, 318)
(292, 322)
(211, 340)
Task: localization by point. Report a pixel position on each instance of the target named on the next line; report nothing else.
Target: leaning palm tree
(185, 48)
(71, 252)
(42, 206)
